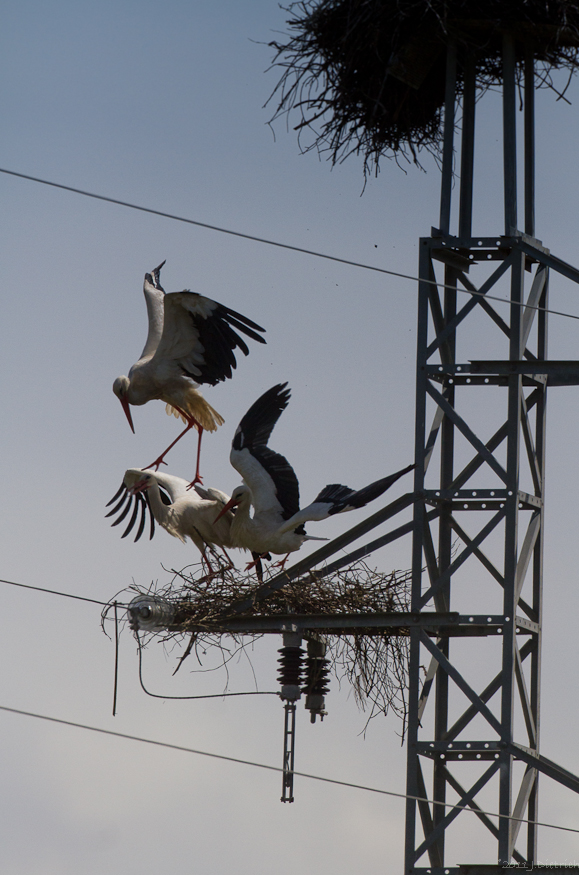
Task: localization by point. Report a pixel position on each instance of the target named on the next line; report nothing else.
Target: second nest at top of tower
(368, 76)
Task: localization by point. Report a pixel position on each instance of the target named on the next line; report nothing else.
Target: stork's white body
(265, 531)
(192, 512)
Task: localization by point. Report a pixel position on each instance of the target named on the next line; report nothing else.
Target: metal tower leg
(467, 496)
(489, 485)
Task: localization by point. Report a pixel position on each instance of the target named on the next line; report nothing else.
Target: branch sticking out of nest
(368, 76)
(373, 661)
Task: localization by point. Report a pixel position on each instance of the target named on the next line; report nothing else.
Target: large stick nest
(368, 76)
(373, 661)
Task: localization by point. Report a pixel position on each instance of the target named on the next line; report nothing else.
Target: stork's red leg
(282, 562)
(160, 460)
(213, 571)
(257, 557)
(198, 478)
(191, 422)
(229, 559)
(210, 570)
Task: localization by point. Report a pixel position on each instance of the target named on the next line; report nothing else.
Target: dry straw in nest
(368, 76)
(373, 661)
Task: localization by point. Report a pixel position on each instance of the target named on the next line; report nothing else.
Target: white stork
(271, 486)
(184, 513)
(191, 340)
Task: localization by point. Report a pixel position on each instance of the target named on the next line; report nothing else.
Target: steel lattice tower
(478, 520)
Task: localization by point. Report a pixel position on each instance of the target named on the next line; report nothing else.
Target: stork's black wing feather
(219, 340)
(133, 517)
(141, 528)
(142, 502)
(252, 435)
(286, 484)
(152, 528)
(165, 498)
(125, 512)
(122, 489)
(258, 423)
(155, 277)
(120, 504)
(343, 498)
(334, 493)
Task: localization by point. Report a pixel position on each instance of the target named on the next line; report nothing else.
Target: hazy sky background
(161, 104)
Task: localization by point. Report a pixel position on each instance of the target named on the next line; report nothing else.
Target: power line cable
(116, 605)
(229, 759)
(112, 200)
(67, 595)
(206, 696)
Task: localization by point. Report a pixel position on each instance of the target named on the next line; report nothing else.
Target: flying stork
(271, 486)
(191, 340)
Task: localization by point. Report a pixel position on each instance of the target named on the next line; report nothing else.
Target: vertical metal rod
(412, 764)
(529, 139)
(448, 139)
(412, 771)
(467, 147)
(445, 538)
(289, 734)
(424, 267)
(509, 135)
(447, 435)
(515, 388)
(535, 674)
(116, 685)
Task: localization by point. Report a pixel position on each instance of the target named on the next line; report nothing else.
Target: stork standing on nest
(191, 340)
(271, 486)
(183, 512)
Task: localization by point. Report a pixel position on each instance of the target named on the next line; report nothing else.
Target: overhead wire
(268, 242)
(68, 595)
(253, 764)
(115, 604)
(205, 696)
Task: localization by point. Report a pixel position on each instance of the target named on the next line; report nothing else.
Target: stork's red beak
(125, 403)
(231, 503)
(140, 486)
